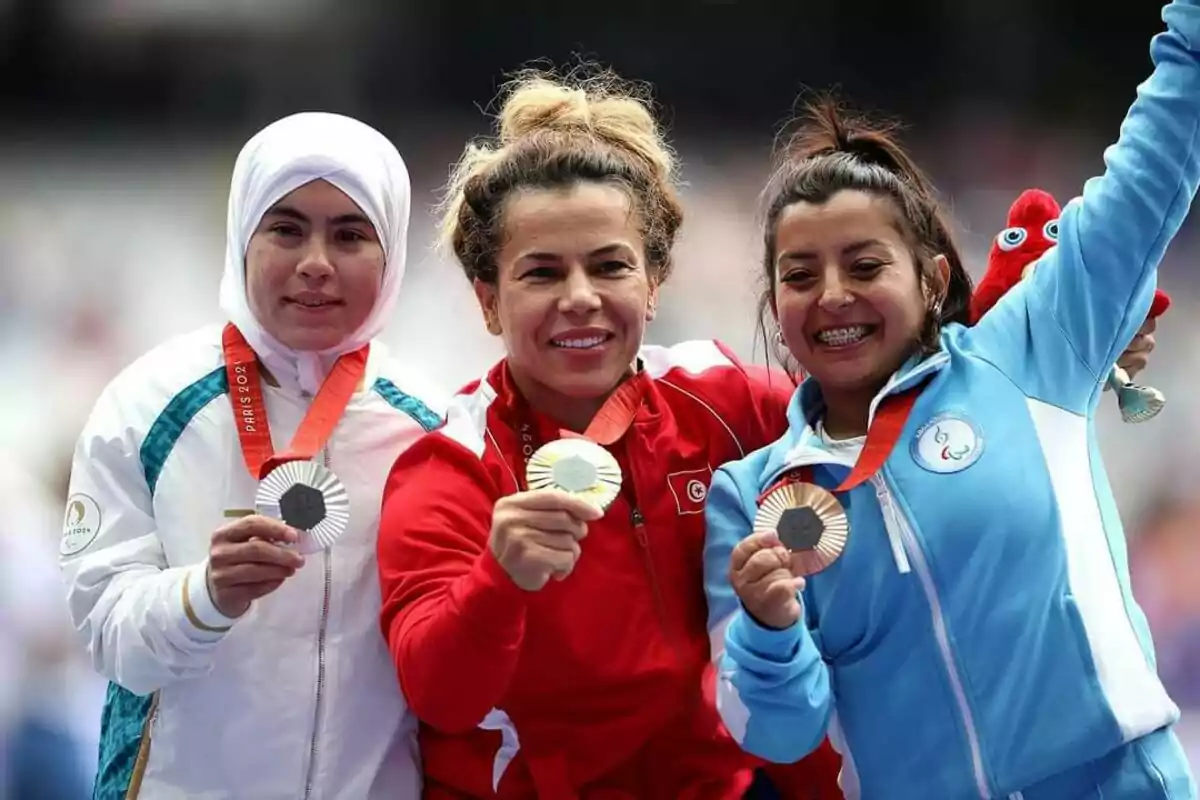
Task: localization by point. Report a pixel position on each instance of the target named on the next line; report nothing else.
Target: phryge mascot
(1032, 230)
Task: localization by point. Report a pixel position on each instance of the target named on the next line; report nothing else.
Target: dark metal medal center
(302, 507)
(800, 528)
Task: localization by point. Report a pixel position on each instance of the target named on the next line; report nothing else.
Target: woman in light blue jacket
(977, 636)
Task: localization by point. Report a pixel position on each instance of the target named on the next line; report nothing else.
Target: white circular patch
(947, 443)
(696, 491)
(81, 524)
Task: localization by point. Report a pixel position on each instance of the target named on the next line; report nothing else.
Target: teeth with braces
(839, 337)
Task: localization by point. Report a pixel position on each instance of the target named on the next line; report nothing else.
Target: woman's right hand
(247, 559)
(761, 575)
(536, 535)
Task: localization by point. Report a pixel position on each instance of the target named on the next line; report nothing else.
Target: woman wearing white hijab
(244, 653)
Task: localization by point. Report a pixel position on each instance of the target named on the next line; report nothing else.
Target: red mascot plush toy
(1032, 230)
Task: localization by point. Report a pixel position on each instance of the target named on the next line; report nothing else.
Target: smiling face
(572, 295)
(848, 295)
(314, 267)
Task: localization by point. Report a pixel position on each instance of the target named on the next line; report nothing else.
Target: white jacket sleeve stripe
(130, 607)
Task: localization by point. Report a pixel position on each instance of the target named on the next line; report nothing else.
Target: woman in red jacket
(549, 648)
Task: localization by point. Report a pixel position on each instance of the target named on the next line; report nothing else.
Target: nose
(835, 293)
(579, 293)
(315, 263)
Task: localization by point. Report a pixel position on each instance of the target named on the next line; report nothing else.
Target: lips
(313, 302)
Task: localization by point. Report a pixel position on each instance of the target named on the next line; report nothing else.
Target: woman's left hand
(1137, 355)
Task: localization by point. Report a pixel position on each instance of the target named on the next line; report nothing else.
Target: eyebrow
(848, 250)
(607, 250)
(342, 219)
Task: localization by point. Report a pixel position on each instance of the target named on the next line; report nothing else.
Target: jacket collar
(514, 410)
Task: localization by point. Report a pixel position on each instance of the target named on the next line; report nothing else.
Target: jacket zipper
(940, 632)
(321, 632)
(639, 530)
(892, 523)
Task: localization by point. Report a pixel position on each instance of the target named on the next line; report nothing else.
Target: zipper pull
(639, 528)
(891, 523)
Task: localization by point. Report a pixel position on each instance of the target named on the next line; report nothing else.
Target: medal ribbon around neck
(809, 521)
(579, 463)
(250, 410)
(882, 436)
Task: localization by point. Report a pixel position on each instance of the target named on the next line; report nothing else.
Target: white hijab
(282, 157)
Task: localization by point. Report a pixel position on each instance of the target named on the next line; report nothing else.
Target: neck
(271, 380)
(571, 413)
(847, 412)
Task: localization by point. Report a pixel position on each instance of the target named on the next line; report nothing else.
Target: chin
(311, 341)
(585, 387)
(847, 377)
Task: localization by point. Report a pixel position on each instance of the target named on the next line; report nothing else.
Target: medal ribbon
(606, 428)
(250, 411)
(882, 436)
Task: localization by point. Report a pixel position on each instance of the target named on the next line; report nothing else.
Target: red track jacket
(599, 686)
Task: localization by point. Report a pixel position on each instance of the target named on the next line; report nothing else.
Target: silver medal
(308, 497)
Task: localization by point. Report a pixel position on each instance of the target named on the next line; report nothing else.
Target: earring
(778, 337)
(937, 309)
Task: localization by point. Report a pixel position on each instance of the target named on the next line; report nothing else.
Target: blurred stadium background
(120, 119)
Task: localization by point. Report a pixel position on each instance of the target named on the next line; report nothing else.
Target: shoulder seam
(737, 442)
(173, 420)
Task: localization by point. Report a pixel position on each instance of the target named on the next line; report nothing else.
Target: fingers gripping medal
(309, 498)
(576, 466)
(809, 521)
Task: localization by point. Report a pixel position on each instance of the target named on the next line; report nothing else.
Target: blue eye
(1011, 238)
(1050, 230)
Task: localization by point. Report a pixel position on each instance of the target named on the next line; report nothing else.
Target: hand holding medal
(536, 535)
(249, 558)
(761, 574)
(570, 482)
(808, 521)
(801, 529)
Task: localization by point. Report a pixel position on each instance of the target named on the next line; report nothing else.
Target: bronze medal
(810, 523)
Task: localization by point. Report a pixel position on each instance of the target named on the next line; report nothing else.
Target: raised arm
(1058, 333)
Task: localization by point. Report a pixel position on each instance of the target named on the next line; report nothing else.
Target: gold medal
(576, 466)
(308, 497)
(809, 521)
